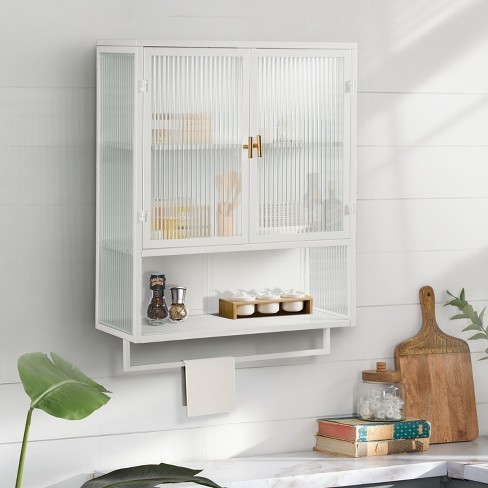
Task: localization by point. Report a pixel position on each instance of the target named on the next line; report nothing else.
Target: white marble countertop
(464, 460)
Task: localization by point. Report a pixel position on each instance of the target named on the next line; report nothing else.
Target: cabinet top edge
(227, 44)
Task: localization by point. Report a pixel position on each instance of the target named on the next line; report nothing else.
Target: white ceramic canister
(268, 308)
(294, 306)
(247, 309)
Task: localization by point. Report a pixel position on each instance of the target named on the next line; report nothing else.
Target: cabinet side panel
(115, 189)
(330, 278)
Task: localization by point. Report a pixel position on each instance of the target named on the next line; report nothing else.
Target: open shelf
(202, 326)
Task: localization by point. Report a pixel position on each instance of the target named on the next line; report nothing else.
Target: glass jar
(157, 311)
(381, 395)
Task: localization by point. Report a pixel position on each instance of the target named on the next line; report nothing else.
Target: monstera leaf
(57, 387)
(149, 476)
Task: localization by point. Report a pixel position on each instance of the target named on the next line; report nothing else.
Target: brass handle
(250, 145)
(258, 146)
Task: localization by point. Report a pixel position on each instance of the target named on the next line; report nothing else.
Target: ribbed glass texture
(301, 175)
(329, 278)
(196, 154)
(116, 99)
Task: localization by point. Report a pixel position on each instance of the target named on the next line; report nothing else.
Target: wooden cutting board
(438, 378)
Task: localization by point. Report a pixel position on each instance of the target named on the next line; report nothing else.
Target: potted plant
(62, 390)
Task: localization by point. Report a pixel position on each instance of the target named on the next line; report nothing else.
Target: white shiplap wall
(423, 199)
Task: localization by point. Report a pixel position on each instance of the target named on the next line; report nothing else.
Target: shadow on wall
(448, 29)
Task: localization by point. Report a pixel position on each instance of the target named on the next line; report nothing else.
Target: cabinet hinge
(351, 85)
(142, 216)
(143, 86)
(350, 209)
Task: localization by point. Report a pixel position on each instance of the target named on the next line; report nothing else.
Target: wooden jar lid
(382, 374)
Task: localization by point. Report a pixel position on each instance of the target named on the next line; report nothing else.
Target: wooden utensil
(437, 374)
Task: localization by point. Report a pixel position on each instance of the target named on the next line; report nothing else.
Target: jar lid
(242, 297)
(381, 374)
(293, 294)
(267, 296)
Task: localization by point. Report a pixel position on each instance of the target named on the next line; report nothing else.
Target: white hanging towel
(210, 386)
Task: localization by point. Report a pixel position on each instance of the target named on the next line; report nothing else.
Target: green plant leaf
(462, 295)
(482, 314)
(478, 336)
(59, 388)
(459, 316)
(470, 313)
(457, 303)
(472, 327)
(449, 293)
(149, 476)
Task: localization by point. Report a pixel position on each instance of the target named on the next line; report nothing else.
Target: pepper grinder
(177, 310)
(157, 311)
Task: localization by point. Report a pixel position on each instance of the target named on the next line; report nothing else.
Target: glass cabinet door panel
(301, 113)
(198, 116)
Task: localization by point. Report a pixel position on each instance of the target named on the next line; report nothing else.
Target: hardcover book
(354, 429)
(339, 447)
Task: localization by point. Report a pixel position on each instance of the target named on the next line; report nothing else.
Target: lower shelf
(201, 326)
(215, 327)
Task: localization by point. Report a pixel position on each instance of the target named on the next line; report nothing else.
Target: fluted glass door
(197, 111)
(300, 108)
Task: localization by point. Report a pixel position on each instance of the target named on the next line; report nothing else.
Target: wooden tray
(228, 308)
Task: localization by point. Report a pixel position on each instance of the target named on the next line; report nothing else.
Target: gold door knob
(258, 146)
(250, 145)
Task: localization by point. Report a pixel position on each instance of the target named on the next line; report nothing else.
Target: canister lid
(293, 294)
(267, 296)
(242, 297)
(381, 374)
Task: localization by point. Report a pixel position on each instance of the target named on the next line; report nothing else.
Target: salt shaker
(381, 395)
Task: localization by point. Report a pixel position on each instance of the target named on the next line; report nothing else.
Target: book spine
(396, 446)
(407, 429)
(373, 448)
(338, 431)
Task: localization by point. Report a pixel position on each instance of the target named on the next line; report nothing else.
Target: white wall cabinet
(225, 167)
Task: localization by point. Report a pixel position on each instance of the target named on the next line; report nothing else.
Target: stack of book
(353, 437)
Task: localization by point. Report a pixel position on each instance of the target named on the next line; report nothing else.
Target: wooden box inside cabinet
(230, 309)
(224, 151)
